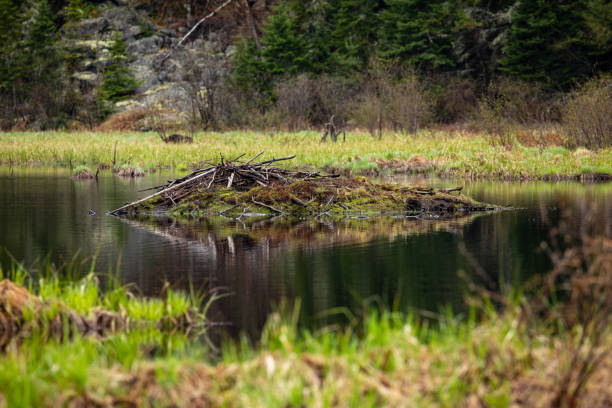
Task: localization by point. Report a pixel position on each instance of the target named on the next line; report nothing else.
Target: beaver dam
(235, 188)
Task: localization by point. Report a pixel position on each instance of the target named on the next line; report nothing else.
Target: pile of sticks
(233, 173)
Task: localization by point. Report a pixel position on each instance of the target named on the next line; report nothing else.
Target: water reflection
(328, 263)
(325, 262)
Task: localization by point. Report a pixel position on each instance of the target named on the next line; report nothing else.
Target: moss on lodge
(312, 197)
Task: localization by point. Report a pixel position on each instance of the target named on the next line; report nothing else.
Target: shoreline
(430, 153)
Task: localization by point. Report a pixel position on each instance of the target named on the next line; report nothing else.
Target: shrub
(520, 103)
(510, 104)
(456, 100)
(410, 105)
(587, 116)
(392, 98)
(305, 101)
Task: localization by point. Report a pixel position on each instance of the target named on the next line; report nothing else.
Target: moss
(312, 197)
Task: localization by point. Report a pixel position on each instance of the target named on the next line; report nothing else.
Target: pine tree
(545, 43)
(419, 33)
(41, 42)
(12, 63)
(284, 47)
(354, 34)
(74, 10)
(119, 81)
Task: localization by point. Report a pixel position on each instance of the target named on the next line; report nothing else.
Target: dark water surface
(402, 263)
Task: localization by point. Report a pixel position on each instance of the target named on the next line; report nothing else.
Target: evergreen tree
(296, 39)
(545, 43)
(12, 64)
(119, 81)
(354, 34)
(284, 47)
(41, 43)
(74, 10)
(598, 19)
(419, 33)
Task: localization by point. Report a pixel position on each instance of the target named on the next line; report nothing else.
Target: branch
(211, 14)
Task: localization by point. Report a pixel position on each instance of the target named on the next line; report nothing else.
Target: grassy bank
(516, 357)
(458, 154)
(389, 360)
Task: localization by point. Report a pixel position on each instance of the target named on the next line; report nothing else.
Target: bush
(392, 98)
(305, 101)
(410, 106)
(587, 116)
(510, 104)
(520, 103)
(456, 100)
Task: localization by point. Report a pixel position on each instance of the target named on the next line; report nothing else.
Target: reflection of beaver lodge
(236, 188)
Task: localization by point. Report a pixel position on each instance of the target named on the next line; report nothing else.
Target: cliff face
(165, 73)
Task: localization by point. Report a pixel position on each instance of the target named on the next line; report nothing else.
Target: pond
(333, 267)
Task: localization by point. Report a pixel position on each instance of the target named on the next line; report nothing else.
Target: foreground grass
(460, 154)
(384, 359)
(394, 361)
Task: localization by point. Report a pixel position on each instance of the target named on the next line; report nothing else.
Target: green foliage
(11, 30)
(74, 10)
(41, 39)
(119, 81)
(354, 34)
(419, 33)
(545, 43)
(79, 9)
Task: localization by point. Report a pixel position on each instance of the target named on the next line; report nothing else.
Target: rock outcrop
(162, 78)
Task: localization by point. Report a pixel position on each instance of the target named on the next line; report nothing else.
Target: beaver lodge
(234, 188)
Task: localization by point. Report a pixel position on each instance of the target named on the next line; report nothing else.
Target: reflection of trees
(324, 262)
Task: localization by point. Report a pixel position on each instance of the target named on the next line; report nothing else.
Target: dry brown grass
(123, 121)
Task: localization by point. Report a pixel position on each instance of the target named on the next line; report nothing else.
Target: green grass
(75, 286)
(386, 360)
(381, 359)
(461, 154)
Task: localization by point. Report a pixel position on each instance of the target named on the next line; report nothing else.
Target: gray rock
(230, 51)
(90, 27)
(86, 77)
(168, 32)
(144, 73)
(120, 19)
(133, 33)
(149, 45)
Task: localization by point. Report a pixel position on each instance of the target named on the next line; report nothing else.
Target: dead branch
(234, 174)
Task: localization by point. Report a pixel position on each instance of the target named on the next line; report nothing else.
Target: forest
(371, 64)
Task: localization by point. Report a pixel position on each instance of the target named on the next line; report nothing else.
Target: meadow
(460, 154)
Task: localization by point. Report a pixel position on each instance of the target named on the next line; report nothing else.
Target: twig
(298, 201)
(212, 179)
(229, 209)
(273, 160)
(267, 206)
(448, 190)
(256, 156)
(231, 180)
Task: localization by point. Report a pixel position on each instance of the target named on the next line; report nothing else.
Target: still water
(407, 264)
